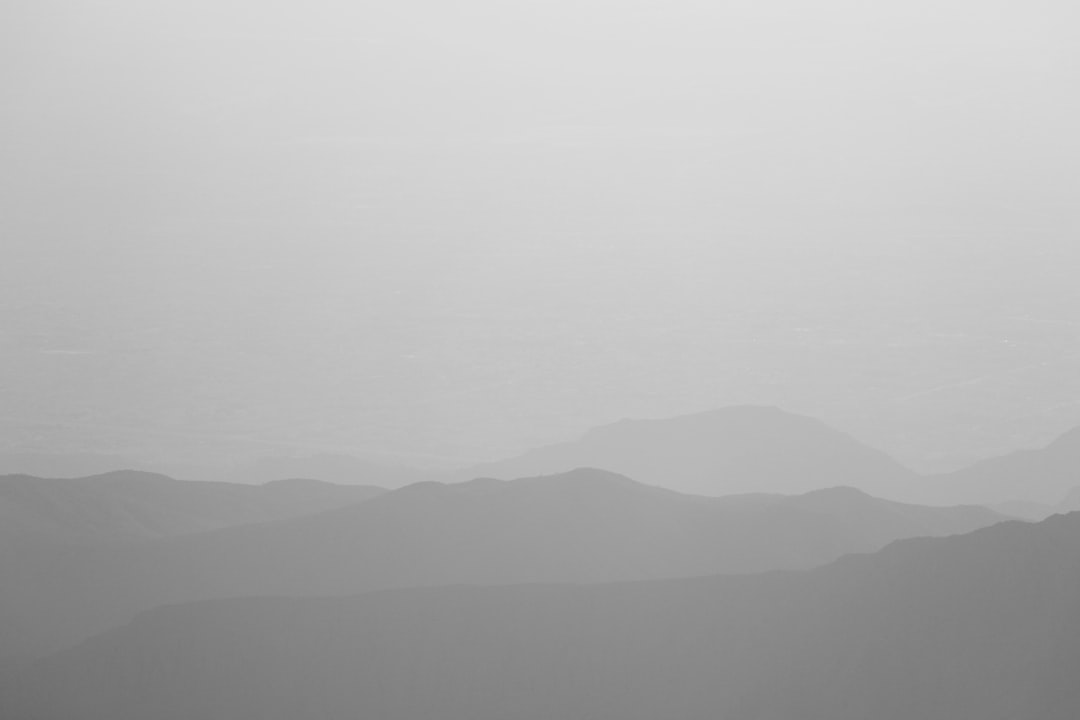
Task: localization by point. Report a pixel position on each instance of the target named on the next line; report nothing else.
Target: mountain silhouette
(982, 626)
(1071, 502)
(63, 465)
(1043, 475)
(587, 525)
(739, 449)
(338, 469)
(138, 505)
(1026, 510)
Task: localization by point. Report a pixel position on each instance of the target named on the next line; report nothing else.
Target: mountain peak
(571, 480)
(590, 478)
(437, 488)
(738, 449)
(298, 483)
(839, 492)
(733, 417)
(126, 476)
(834, 498)
(1066, 443)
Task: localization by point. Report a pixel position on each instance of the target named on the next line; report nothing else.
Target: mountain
(1071, 503)
(61, 465)
(1025, 510)
(340, 469)
(983, 625)
(1042, 475)
(126, 505)
(583, 526)
(737, 449)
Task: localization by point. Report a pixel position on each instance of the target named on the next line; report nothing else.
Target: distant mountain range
(331, 468)
(126, 505)
(765, 449)
(981, 626)
(568, 591)
(339, 469)
(1044, 475)
(582, 526)
(64, 465)
(737, 449)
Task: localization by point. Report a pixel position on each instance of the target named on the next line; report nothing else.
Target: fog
(439, 233)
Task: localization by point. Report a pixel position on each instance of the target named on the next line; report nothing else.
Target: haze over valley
(522, 360)
(440, 235)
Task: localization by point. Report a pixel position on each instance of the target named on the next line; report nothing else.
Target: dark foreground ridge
(981, 626)
(587, 525)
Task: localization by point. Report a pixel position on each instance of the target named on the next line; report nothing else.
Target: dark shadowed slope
(985, 625)
(137, 505)
(732, 450)
(583, 526)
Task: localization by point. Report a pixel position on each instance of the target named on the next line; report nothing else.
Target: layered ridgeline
(737, 449)
(582, 526)
(129, 505)
(331, 468)
(985, 625)
(1040, 475)
(764, 449)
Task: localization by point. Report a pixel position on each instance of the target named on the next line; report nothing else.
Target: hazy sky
(457, 229)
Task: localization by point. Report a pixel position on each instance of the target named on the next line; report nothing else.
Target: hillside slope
(982, 626)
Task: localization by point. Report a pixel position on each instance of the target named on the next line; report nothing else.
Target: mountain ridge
(134, 505)
(736, 449)
(976, 625)
(542, 529)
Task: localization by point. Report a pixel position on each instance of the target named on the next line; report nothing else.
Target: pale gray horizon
(440, 233)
